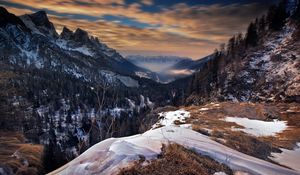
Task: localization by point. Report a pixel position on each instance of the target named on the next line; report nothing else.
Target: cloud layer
(146, 27)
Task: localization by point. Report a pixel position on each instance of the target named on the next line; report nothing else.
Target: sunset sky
(192, 28)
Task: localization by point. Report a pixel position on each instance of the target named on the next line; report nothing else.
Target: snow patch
(289, 158)
(142, 75)
(220, 173)
(258, 127)
(170, 118)
(63, 44)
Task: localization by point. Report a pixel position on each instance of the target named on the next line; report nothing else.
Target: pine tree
(262, 24)
(231, 46)
(251, 36)
(296, 15)
(277, 15)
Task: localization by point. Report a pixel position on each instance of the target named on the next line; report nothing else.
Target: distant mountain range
(168, 68)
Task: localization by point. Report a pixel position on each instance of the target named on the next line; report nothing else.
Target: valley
(71, 104)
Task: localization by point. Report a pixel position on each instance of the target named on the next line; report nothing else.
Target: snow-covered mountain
(31, 40)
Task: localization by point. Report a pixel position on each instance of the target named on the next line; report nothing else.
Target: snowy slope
(268, 73)
(109, 156)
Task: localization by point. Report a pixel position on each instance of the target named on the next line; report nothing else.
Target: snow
(84, 51)
(204, 109)
(149, 103)
(28, 22)
(142, 101)
(111, 155)
(116, 112)
(142, 75)
(169, 118)
(112, 78)
(289, 158)
(128, 81)
(63, 44)
(258, 127)
(220, 173)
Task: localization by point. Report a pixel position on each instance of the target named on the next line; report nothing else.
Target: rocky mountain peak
(66, 33)
(40, 19)
(3, 12)
(81, 36)
(8, 18)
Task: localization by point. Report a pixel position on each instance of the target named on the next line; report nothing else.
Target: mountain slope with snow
(110, 156)
(31, 40)
(268, 72)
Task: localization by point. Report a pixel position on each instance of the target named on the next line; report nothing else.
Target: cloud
(180, 72)
(147, 2)
(179, 29)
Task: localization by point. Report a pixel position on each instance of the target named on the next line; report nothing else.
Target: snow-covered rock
(170, 118)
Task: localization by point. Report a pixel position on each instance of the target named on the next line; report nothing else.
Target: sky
(190, 28)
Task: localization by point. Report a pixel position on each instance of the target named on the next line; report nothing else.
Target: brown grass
(177, 160)
(249, 145)
(259, 147)
(18, 157)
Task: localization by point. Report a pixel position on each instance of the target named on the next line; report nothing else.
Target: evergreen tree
(277, 15)
(251, 36)
(262, 24)
(296, 15)
(231, 46)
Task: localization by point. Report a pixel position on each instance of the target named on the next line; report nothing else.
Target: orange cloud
(178, 30)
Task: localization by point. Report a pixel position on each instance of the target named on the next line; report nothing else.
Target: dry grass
(18, 157)
(177, 160)
(249, 145)
(211, 120)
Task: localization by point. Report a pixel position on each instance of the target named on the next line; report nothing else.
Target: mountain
(67, 91)
(28, 44)
(164, 66)
(267, 71)
(194, 65)
(234, 95)
(155, 63)
(67, 100)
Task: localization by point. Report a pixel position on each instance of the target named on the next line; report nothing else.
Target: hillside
(67, 91)
(216, 140)
(266, 69)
